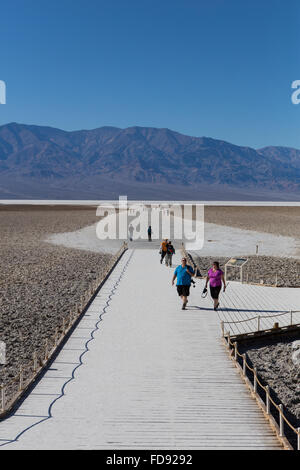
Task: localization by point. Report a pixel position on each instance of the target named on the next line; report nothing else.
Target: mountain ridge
(142, 155)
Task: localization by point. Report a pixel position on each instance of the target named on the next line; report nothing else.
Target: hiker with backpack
(163, 249)
(169, 254)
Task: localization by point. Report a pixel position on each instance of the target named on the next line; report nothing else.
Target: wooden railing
(27, 375)
(277, 424)
(191, 261)
(258, 318)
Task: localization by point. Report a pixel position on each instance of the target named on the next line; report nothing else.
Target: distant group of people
(166, 251)
(131, 230)
(184, 272)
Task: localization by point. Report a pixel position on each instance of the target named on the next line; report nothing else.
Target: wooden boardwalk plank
(154, 376)
(243, 301)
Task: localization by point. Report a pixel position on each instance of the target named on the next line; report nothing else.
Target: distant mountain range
(144, 163)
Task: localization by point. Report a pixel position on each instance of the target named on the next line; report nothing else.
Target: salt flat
(219, 240)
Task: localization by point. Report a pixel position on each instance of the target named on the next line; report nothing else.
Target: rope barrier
(262, 316)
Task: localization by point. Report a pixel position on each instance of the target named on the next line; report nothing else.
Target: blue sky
(217, 68)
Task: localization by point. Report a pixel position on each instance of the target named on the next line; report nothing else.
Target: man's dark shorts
(183, 290)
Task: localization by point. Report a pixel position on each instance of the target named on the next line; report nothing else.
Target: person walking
(163, 249)
(215, 277)
(184, 274)
(169, 254)
(149, 231)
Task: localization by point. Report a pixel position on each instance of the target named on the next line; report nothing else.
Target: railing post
(291, 313)
(46, 349)
(298, 439)
(21, 379)
(244, 364)
(222, 326)
(228, 338)
(281, 421)
(2, 397)
(258, 323)
(255, 380)
(235, 350)
(268, 399)
(34, 361)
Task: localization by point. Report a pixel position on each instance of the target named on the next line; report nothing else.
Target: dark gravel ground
(39, 283)
(258, 268)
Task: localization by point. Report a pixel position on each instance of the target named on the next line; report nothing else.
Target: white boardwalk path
(153, 377)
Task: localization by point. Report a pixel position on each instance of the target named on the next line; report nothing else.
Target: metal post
(281, 422)
(268, 399)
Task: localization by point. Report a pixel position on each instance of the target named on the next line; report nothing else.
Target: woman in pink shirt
(215, 276)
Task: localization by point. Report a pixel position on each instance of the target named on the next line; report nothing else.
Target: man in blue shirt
(183, 273)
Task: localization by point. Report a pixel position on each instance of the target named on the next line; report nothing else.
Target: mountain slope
(48, 160)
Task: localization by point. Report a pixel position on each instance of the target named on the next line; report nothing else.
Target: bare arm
(224, 283)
